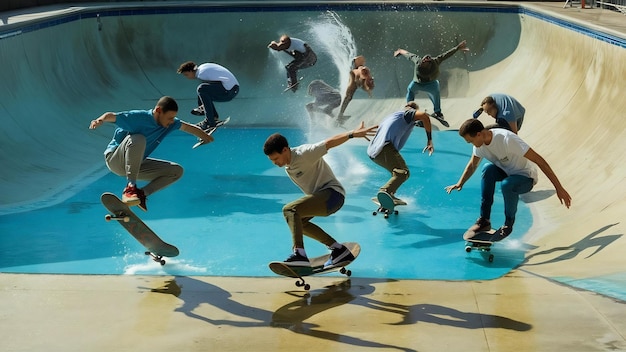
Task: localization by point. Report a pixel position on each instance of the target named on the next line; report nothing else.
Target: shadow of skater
(291, 316)
(436, 314)
(576, 248)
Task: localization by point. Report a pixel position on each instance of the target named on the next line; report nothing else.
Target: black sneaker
(503, 231)
(439, 117)
(199, 111)
(296, 259)
(339, 255)
(207, 126)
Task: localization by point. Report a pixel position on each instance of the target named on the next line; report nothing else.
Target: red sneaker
(130, 196)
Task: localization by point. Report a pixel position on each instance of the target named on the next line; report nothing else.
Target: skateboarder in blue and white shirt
(218, 84)
(511, 162)
(392, 134)
(303, 57)
(506, 110)
(324, 194)
(138, 134)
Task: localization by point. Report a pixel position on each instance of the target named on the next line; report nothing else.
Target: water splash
(336, 40)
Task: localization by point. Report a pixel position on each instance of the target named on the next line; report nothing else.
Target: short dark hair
(275, 144)
(167, 104)
(412, 105)
(471, 127)
(188, 66)
(488, 100)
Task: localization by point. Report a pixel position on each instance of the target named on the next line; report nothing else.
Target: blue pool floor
(225, 216)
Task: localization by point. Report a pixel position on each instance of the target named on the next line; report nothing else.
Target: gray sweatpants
(127, 160)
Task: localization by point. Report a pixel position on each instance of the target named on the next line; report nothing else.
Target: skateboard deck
(317, 266)
(120, 212)
(293, 85)
(481, 241)
(210, 131)
(386, 204)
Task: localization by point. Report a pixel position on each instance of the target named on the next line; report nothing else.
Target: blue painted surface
(225, 216)
(227, 220)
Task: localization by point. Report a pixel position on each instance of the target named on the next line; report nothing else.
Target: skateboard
(120, 212)
(386, 204)
(482, 242)
(293, 85)
(317, 266)
(210, 131)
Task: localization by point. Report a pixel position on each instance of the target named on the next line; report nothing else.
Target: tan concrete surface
(573, 87)
(520, 312)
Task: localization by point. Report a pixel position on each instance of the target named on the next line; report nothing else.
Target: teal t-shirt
(140, 122)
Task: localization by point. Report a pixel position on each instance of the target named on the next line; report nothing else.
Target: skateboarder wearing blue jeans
(324, 194)
(425, 76)
(511, 162)
(218, 85)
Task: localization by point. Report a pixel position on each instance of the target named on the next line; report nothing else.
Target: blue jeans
(211, 91)
(512, 186)
(431, 88)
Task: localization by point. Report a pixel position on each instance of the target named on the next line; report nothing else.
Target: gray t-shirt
(309, 171)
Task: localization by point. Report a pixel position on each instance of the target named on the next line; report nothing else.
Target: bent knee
(402, 173)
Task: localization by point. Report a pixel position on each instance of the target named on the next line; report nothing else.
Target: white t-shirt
(215, 72)
(309, 171)
(506, 151)
(297, 45)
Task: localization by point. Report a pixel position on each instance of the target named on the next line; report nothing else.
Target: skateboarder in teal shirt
(138, 134)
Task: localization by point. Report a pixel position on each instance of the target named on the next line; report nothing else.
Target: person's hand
(430, 148)
(95, 124)
(399, 52)
(364, 132)
(451, 188)
(463, 46)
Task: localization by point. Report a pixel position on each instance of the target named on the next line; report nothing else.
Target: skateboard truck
(110, 217)
(157, 258)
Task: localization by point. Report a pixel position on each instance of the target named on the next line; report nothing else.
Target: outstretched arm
(425, 118)
(361, 132)
(471, 166)
(400, 52)
(196, 131)
(106, 117)
(461, 46)
(564, 197)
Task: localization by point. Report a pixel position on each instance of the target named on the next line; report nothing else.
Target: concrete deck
(582, 136)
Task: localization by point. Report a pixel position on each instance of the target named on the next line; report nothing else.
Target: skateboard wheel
(126, 219)
(490, 258)
(374, 213)
(386, 216)
(342, 270)
(307, 287)
(162, 262)
(108, 217)
(468, 249)
(146, 253)
(395, 212)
